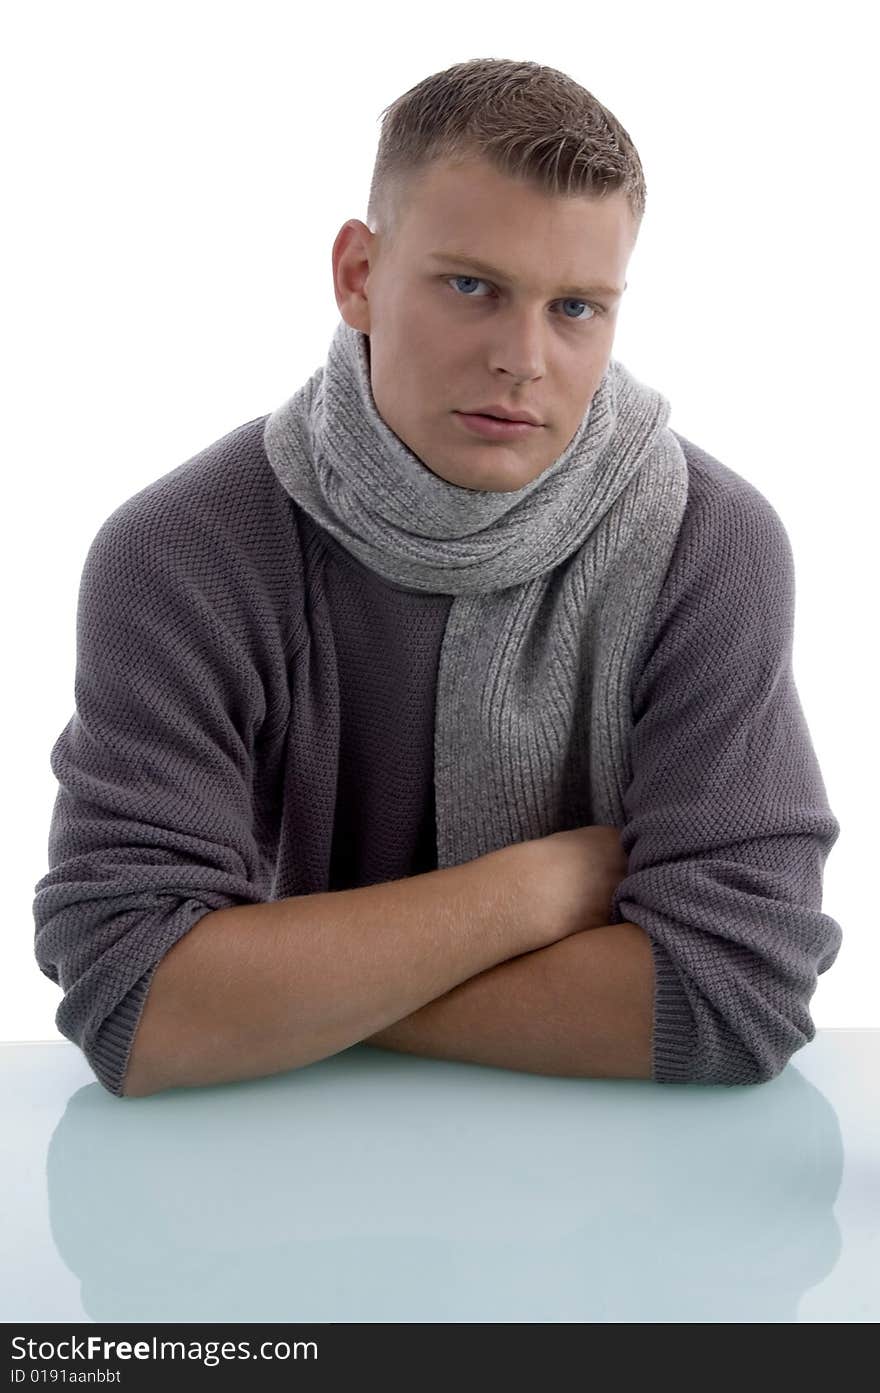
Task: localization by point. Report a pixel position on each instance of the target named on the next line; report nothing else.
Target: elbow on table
(761, 1057)
(139, 1082)
(721, 1053)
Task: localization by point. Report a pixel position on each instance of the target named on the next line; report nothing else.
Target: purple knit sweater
(254, 720)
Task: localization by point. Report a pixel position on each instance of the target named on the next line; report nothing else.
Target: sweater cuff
(675, 1031)
(109, 1052)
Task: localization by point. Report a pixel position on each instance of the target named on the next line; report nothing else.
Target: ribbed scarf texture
(553, 584)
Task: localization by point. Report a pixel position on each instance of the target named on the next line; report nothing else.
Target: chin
(500, 469)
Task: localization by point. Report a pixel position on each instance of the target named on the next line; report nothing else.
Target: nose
(519, 351)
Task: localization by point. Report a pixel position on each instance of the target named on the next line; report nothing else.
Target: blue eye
(597, 309)
(468, 278)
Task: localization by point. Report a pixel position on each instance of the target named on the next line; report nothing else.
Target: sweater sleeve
(153, 824)
(727, 823)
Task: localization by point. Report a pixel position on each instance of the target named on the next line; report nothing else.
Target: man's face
(447, 338)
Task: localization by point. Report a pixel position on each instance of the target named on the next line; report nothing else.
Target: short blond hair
(527, 120)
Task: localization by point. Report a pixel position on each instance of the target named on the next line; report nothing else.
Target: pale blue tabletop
(375, 1186)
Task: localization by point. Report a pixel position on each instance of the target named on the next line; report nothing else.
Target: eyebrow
(613, 292)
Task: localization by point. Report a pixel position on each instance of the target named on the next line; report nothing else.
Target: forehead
(445, 181)
(473, 208)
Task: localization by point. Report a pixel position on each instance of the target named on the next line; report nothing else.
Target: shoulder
(727, 518)
(221, 488)
(732, 547)
(219, 524)
(727, 599)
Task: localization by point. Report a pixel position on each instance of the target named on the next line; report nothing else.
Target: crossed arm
(583, 1006)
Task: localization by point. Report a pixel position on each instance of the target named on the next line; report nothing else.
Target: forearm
(253, 990)
(582, 1006)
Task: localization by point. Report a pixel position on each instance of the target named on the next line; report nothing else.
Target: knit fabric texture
(254, 715)
(553, 585)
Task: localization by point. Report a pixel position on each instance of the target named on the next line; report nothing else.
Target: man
(400, 723)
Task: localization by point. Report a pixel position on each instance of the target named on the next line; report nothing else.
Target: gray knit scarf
(553, 583)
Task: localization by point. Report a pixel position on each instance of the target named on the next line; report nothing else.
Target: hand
(577, 874)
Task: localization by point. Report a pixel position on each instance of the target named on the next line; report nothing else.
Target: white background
(175, 175)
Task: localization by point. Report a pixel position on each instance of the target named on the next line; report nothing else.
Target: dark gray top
(254, 714)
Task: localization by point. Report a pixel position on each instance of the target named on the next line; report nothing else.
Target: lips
(509, 413)
(498, 411)
(494, 427)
